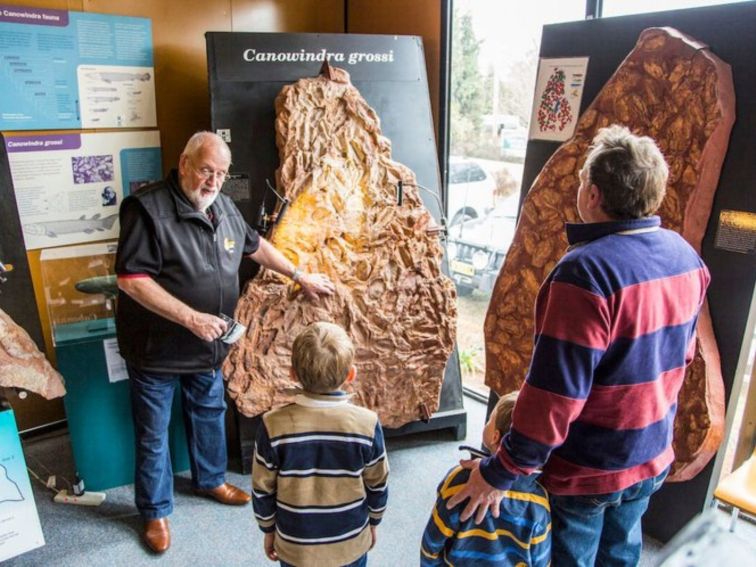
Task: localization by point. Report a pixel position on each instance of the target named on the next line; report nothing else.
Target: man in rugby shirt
(614, 330)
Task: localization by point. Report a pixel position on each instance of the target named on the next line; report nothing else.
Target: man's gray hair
(204, 138)
(629, 171)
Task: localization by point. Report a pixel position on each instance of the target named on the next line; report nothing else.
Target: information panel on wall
(558, 94)
(71, 70)
(68, 186)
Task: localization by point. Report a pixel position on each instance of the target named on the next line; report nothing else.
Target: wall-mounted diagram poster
(20, 530)
(72, 70)
(68, 186)
(556, 103)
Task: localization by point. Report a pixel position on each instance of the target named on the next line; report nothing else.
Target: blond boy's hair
(322, 356)
(503, 411)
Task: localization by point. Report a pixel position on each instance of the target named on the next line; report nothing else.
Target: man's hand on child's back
(482, 495)
(270, 550)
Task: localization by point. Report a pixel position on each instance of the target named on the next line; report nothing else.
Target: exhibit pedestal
(454, 419)
(99, 410)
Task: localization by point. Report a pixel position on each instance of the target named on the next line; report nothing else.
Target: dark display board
(729, 31)
(16, 291)
(248, 70)
(244, 84)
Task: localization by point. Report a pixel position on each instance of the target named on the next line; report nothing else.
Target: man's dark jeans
(602, 529)
(204, 410)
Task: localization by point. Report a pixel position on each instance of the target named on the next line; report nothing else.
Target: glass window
(626, 7)
(495, 49)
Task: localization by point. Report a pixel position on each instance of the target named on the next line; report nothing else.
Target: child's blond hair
(503, 411)
(322, 356)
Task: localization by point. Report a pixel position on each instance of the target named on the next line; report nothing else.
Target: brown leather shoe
(157, 536)
(225, 494)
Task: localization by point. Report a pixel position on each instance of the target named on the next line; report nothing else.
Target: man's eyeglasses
(219, 176)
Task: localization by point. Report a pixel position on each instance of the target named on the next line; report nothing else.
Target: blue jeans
(601, 529)
(204, 407)
(361, 562)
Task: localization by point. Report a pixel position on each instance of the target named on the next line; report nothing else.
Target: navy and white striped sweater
(319, 479)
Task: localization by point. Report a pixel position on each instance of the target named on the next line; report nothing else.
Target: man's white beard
(203, 203)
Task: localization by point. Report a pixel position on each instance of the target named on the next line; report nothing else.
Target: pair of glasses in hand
(234, 330)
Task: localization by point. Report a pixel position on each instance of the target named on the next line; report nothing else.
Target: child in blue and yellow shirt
(520, 536)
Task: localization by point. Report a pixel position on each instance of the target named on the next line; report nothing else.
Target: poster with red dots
(558, 92)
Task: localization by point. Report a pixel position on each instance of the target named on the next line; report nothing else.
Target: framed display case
(80, 291)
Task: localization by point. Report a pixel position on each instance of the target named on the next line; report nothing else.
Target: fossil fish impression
(384, 259)
(22, 365)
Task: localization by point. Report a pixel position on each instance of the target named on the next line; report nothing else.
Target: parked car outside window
(476, 248)
(471, 190)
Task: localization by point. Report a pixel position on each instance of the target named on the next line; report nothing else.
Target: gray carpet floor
(208, 534)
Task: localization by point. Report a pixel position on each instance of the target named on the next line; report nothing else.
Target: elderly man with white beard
(179, 252)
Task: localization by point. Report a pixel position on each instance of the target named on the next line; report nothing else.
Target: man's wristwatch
(296, 274)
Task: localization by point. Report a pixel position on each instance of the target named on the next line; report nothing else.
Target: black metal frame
(593, 9)
(445, 61)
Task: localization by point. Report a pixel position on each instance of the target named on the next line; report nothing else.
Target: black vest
(200, 263)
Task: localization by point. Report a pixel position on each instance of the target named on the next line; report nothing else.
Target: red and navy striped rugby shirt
(614, 330)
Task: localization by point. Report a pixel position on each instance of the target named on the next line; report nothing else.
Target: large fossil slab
(384, 259)
(672, 88)
(22, 365)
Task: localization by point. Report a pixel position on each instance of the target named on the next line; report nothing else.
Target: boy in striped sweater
(520, 535)
(320, 470)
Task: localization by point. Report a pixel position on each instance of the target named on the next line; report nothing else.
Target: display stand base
(86, 499)
(452, 419)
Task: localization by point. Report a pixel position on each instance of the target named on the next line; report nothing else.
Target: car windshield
(465, 172)
(493, 230)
